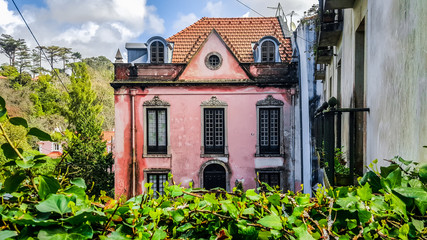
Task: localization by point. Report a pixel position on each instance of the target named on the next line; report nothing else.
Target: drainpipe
(293, 92)
(132, 110)
(304, 126)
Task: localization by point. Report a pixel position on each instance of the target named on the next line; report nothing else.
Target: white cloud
(83, 34)
(214, 9)
(184, 21)
(246, 14)
(93, 28)
(9, 21)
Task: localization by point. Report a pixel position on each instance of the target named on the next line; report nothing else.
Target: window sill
(156, 155)
(269, 155)
(212, 155)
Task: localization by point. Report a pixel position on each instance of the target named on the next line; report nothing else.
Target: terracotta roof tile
(237, 33)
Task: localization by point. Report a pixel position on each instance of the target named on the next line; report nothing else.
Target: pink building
(213, 105)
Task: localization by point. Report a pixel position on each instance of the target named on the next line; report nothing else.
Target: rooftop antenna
(280, 12)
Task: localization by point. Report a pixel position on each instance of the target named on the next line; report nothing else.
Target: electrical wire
(250, 8)
(38, 44)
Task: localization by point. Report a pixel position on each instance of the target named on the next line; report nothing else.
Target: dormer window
(268, 51)
(157, 51)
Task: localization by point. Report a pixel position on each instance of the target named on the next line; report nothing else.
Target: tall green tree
(9, 46)
(86, 149)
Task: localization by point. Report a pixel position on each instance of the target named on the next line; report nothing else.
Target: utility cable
(38, 44)
(250, 8)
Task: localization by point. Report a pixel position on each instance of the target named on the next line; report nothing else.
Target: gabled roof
(237, 33)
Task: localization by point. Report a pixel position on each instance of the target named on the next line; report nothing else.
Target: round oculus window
(213, 60)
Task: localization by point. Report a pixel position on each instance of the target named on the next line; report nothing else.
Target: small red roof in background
(3, 77)
(107, 135)
(237, 33)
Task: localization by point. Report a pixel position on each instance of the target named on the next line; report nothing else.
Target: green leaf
(84, 230)
(86, 216)
(398, 205)
(11, 184)
(364, 216)
(385, 171)
(59, 234)
(274, 199)
(351, 223)
(9, 151)
(412, 192)
(395, 178)
(210, 198)
(348, 203)
(252, 195)
(418, 224)
(3, 115)
(79, 182)
(400, 159)
(18, 121)
(373, 180)
(42, 136)
(423, 173)
(249, 211)
(422, 206)
(2, 103)
(176, 191)
(365, 192)
(303, 200)
(302, 233)
(178, 215)
(184, 227)
(159, 234)
(271, 221)
(47, 185)
(5, 234)
(55, 203)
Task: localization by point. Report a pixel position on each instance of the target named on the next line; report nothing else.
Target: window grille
(269, 130)
(214, 130)
(268, 51)
(158, 181)
(156, 130)
(157, 50)
(271, 178)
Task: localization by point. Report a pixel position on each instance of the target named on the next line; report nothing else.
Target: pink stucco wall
(185, 122)
(185, 132)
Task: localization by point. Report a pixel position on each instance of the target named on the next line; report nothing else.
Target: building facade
(213, 105)
(375, 64)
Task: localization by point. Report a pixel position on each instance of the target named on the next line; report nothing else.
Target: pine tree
(86, 149)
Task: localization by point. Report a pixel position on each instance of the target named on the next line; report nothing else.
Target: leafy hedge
(390, 203)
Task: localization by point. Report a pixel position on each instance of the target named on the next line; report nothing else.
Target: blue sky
(99, 27)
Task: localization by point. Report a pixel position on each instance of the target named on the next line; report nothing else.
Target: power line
(38, 44)
(250, 8)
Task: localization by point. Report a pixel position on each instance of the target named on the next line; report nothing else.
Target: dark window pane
(268, 51)
(156, 130)
(272, 179)
(269, 130)
(158, 181)
(157, 52)
(214, 130)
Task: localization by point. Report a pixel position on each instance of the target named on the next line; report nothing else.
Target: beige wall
(395, 66)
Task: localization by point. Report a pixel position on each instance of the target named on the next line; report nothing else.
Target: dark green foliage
(86, 149)
(57, 207)
(46, 98)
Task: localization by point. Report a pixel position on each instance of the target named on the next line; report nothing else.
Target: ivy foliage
(389, 203)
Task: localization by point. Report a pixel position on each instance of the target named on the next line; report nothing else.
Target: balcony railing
(324, 55)
(320, 72)
(337, 4)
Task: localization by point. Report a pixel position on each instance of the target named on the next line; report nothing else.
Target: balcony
(331, 28)
(337, 4)
(324, 55)
(320, 72)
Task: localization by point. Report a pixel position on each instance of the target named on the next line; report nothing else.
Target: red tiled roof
(237, 33)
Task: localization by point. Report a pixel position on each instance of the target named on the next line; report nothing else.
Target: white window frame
(270, 102)
(213, 102)
(156, 102)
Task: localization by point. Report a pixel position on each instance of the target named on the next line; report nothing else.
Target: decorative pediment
(269, 101)
(214, 102)
(156, 101)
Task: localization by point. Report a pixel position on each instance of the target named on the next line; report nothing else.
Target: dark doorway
(214, 176)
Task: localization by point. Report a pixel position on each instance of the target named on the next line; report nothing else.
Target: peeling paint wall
(394, 76)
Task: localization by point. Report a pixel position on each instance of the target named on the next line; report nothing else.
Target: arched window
(157, 50)
(268, 51)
